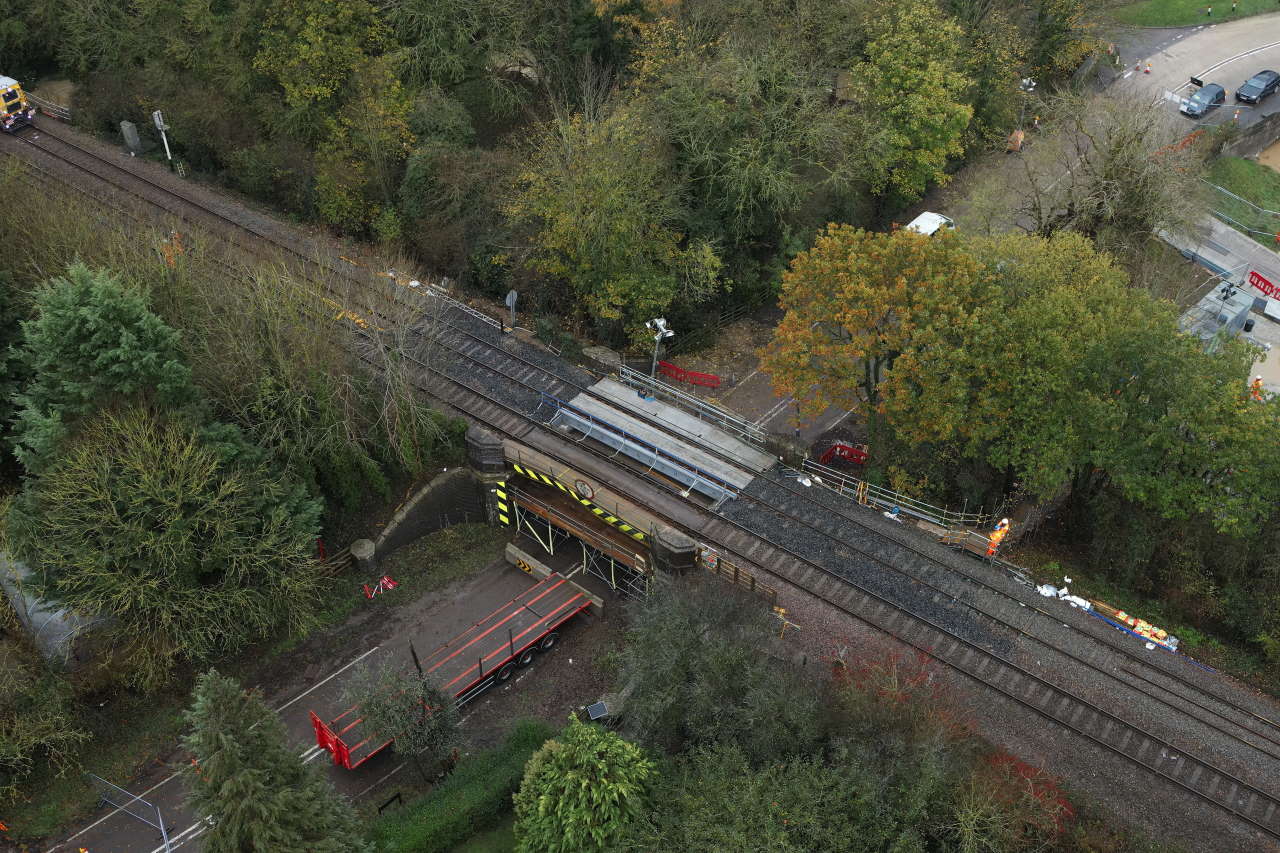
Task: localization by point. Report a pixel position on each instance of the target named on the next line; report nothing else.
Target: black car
(1258, 87)
(1210, 96)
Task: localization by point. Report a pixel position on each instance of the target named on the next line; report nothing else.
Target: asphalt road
(1227, 54)
(446, 615)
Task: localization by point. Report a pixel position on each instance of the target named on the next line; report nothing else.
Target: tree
(714, 798)
(190, 546)
(580, 791)
(13, 370)
(693, 671)
(358, 167)
(313, 49)
(92, 342)
(420, 717)
(749, 119)
(37, 720)
(910, 83)
(599, 205)
(252, 783)
(854, 303)
(1115, 169)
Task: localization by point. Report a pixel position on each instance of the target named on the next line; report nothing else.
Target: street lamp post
(1027, 86)
(660, 333)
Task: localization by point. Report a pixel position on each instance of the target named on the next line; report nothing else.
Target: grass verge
(131, 735)
(426, 564)
(1186, 13)
(476, 797)
(500, 839)
(1259, 185)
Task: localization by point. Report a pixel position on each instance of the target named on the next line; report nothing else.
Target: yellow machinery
(15, 110)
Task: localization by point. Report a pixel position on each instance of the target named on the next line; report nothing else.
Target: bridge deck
(617, 417)
(694, 430)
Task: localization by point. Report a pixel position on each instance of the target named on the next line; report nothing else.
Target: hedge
(475, 797)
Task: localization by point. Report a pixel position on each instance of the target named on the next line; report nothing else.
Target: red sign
(1264, 285)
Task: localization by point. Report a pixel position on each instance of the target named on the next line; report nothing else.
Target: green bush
(476, 797)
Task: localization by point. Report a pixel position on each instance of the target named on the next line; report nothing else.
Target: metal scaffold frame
(600, 557)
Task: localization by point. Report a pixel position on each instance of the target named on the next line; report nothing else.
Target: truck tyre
(504, 674)
(549, 641)
(526, 657)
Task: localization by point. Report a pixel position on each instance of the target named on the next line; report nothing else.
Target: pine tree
(580, 791)
(92, 341)
(253, 786)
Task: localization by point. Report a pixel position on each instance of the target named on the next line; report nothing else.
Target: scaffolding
(625, 571)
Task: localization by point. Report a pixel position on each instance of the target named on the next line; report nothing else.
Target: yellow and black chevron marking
(501, 494)
(603, 515)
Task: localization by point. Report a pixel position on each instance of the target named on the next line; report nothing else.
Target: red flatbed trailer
(486, 653)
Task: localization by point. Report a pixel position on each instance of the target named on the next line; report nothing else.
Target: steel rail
(517, 424)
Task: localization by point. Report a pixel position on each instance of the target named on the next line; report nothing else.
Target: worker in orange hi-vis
(1256, 388)
(997, 536)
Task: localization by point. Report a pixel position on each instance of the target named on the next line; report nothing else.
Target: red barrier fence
(840, 450)
(693, 377)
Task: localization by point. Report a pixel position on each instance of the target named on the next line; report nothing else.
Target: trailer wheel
(526, 657)
(549, 641)
(504, 674)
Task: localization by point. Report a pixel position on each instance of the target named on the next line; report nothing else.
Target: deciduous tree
(602, 214)
(693, 672)
(910, 83)
(252, 784)
(856, 301)
(580, 791)
(420, 717)
(1116, 169)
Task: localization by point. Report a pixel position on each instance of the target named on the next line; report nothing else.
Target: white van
(929, 224)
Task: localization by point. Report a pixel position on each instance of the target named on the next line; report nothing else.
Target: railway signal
(158, 118)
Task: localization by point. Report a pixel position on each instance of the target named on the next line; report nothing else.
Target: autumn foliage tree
(1033, 357)
(856, 301)
(910, 82)
(603, 220)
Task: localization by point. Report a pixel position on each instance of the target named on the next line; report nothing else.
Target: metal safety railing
(132, 805)
(49, 108)
(640, 449)
(1243, 214)
(869, 494)
(699, 408)
(439, 293)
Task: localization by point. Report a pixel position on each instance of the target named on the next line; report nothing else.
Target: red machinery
(856, 453)
(485, 654)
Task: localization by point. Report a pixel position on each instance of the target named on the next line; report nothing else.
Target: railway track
(1233, 795)
(897, 554)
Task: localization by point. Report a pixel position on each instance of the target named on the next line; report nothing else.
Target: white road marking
(173, 776)
(380, 781)
(181, 838)
(773, 413)
(1250, 52)
(839, 420)
(330, 678)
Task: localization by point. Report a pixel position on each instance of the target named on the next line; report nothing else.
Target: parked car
(1258, 87)
(1210, 97)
